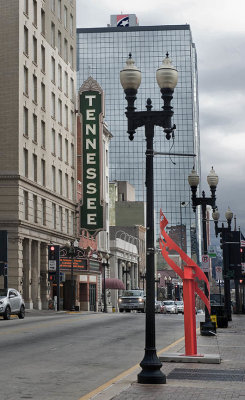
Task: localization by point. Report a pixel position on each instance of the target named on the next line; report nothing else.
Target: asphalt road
(66, 356)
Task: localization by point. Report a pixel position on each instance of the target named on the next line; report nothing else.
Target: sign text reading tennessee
(91, 210)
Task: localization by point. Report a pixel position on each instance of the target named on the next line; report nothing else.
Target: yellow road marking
(123, 374)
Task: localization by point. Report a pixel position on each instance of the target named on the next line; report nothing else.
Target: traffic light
(177, 292)
(51, 276)
(53, 261)
(242, 251)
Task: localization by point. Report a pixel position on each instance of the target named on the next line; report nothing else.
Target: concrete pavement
(193, 380)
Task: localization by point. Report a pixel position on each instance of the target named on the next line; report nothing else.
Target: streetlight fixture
(130, 78)
(222, 231)
(204, 201)
(105, 264)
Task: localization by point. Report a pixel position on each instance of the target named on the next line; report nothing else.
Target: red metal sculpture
(190, 274)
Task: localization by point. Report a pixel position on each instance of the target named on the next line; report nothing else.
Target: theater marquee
(91, 110)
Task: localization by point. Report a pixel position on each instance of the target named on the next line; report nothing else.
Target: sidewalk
(193, 381)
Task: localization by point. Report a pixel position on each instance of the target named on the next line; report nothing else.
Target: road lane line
(124, 374)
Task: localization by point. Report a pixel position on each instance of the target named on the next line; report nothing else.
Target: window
(34, 119)
(66, 150)
(26, 205)
(42, 22)
(72, 189)
(71, 57)
(35, 12)
(52, 34)
(72, 123)
(43, 212)
(26, 163)
(66, 116)
(71, 24)
(59, 9)
(59, 111)
(25, 81)
(65, 17)
(65, 50)
(34, 40)
(72, 155)
(72, 89)
(34, 94)
(67, 220)
(53, 69)
(60, 146)
(53, 105)
(53, 178)
(66, 83)
(59, 77)
(66, 186)
(59, 43)
(34, 162)
(26, 7)
(43, 172)
(54, 215)
(43, 58)
(60, 182)
(25, 40)
(25, 121)
(61, 218)
(53, 5)
(43, 134)
(53, 142)
(72, 223)
(35, 208)
(42, 95)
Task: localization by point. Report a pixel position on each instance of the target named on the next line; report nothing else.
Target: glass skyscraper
(102, 53)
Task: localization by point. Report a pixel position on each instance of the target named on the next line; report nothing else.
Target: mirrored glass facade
(101, 53)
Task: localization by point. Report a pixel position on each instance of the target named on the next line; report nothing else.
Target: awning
(113, 283)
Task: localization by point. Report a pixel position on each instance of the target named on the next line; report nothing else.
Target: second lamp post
(130, 78)
(204, 201)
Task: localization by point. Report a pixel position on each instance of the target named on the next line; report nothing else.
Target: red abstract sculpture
(190, 276)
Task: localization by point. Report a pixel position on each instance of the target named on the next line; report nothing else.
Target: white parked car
(11, 302)
(180, 306)
(171, 307)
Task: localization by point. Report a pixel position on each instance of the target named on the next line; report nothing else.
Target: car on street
(11, 302)
(163, 308)
(132, 300)
(158, 306)
(180, 306)
(171, 307)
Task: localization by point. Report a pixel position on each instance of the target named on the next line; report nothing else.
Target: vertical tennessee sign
(91, 209)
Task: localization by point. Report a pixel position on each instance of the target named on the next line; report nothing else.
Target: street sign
(52, 265)
(205, 263)
(219, 275)
(212, 251)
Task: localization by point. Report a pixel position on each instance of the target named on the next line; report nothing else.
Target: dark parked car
(11, 302)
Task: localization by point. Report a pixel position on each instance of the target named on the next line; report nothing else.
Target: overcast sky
(218, 31)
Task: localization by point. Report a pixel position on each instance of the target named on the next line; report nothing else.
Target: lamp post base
(151, 365)
(207, 328)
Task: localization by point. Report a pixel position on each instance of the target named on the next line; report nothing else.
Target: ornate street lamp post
(222, 231)
(130, 78)
(72, 253)
(204, 201)
(126, 270)
(105, 264)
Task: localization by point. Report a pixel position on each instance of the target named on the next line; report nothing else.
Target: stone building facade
(38, 137)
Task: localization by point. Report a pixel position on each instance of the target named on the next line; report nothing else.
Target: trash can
(219, 311)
